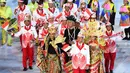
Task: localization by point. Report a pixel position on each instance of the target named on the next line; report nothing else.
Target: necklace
(71, 36)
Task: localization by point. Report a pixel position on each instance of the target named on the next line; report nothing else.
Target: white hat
(50, 1)
(63, 18)
(20, 1)
(70, 0)
(27, 17)
(67, 5)
(108, 24)
(82, 1)
(80, 34)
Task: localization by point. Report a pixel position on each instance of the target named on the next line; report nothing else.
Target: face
(40, 7)
(93, 38)
(80, 39)
(67, 8)
(108, 28)
(27, 22)
(77, 24)
(46, 26)
(3, 4)
(52, 35)
(83, 5)
(51, 5)
(51, 19)
(70, 23)
(64, 22)
(20, 3)
(125, 2)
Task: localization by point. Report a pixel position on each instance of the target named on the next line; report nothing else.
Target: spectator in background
(33, 5)
(125, 22)
(109, 12)
(5, 13)
(94, 5)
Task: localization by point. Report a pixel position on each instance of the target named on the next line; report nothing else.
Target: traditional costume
(71, 33)
(92, 36)
(51, 52)
(96, 65)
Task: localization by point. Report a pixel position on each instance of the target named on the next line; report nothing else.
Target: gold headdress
(52, 28)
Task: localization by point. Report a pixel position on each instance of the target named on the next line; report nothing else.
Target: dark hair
(72, 18)
(111, 1)
(40, 2)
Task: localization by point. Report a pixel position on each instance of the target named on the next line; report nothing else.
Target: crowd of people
(70, 35)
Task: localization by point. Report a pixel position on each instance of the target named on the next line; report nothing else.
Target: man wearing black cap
(71, 32)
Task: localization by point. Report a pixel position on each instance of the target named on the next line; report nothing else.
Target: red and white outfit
(84, 15)
(39, 15)
(80, 57)
(110, 51)
(28, 34)
(22, 11)
(73, 7)
(53, 11)
(62, 29)
(42, 34)
(63, 15)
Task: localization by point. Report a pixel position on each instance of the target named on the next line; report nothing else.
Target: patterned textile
(41, 61)
(68, 67)
(53, 64)
(96, 60)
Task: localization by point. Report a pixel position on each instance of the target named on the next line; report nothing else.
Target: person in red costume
(80, 55)
(28, 34)
(110, 48)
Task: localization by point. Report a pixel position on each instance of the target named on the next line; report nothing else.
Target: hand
(79, 9)
(15, 11)
(87, 67)
(71, 42)
(10, 33)
(68, 53)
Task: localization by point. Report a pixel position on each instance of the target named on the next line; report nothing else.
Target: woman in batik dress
(96, 65)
